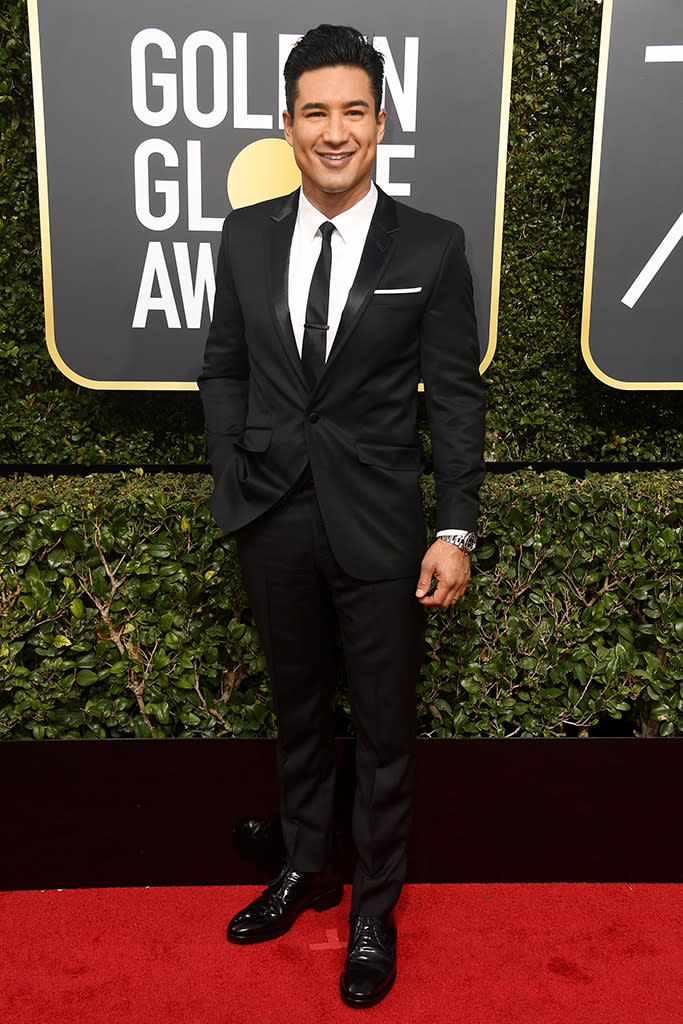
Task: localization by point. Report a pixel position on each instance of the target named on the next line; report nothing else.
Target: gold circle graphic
(262, 170)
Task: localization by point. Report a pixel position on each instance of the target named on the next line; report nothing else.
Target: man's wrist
(463, 539)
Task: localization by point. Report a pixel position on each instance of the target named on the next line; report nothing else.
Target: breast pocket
(398, 298)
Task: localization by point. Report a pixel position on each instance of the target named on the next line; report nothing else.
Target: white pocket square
(398, 291)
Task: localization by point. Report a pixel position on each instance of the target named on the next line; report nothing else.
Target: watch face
(470, 542)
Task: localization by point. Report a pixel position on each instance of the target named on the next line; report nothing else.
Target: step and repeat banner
(633, 297)
(155, 118)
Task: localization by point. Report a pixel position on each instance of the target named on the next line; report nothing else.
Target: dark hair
(330, 45)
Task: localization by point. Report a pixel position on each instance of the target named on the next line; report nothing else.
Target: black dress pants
(300, 595)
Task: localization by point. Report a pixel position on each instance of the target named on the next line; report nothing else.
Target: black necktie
(315, 327)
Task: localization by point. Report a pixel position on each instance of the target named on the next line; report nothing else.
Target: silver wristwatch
(465, 541)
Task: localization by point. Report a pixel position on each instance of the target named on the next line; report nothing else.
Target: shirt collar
(350, 224)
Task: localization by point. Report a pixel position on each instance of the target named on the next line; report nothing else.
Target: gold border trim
(41, 147)
(591, 228)
(500, 184)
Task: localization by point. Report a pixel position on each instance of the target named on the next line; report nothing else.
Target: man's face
(334, 135)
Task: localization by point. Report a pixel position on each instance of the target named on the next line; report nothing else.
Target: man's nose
(336, 129)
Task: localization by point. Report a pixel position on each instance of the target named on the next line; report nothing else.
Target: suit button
(313, 418)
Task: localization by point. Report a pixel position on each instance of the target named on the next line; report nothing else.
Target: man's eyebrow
(317, 104)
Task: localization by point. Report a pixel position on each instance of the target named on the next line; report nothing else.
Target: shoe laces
(368, 932)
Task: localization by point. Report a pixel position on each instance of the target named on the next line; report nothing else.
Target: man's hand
(450, 567)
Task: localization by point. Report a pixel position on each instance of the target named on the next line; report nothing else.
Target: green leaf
(85, 677)
(470, 685)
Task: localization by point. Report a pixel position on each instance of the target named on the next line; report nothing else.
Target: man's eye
(356, 113)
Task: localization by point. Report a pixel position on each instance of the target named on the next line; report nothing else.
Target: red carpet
(468, 954)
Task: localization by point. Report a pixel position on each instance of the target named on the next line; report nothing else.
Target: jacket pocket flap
(389, 456)
(255, 439)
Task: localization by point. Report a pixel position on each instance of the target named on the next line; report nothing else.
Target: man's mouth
(335, 158)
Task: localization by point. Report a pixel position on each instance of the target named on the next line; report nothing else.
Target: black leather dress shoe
(274, 912)
(371, 961)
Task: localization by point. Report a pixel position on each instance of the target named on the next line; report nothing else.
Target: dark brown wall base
(160, 812)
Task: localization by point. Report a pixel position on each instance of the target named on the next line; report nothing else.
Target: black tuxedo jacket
(409, 316)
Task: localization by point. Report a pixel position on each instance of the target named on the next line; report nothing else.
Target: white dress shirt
(347, 243)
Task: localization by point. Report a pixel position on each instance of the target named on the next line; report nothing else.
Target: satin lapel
(279, 241)
(379, 246)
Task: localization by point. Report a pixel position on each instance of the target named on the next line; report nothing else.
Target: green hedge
(544, 404)
(122, 613)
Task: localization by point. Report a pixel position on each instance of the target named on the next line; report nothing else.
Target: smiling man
(335, 136)
(331, 305)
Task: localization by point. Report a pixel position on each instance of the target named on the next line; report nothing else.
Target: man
(331, 305)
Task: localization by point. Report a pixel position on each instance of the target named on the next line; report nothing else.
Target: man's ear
(288, 124)
(381, 122)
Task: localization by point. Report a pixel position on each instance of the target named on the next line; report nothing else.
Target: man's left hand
(450, 567)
